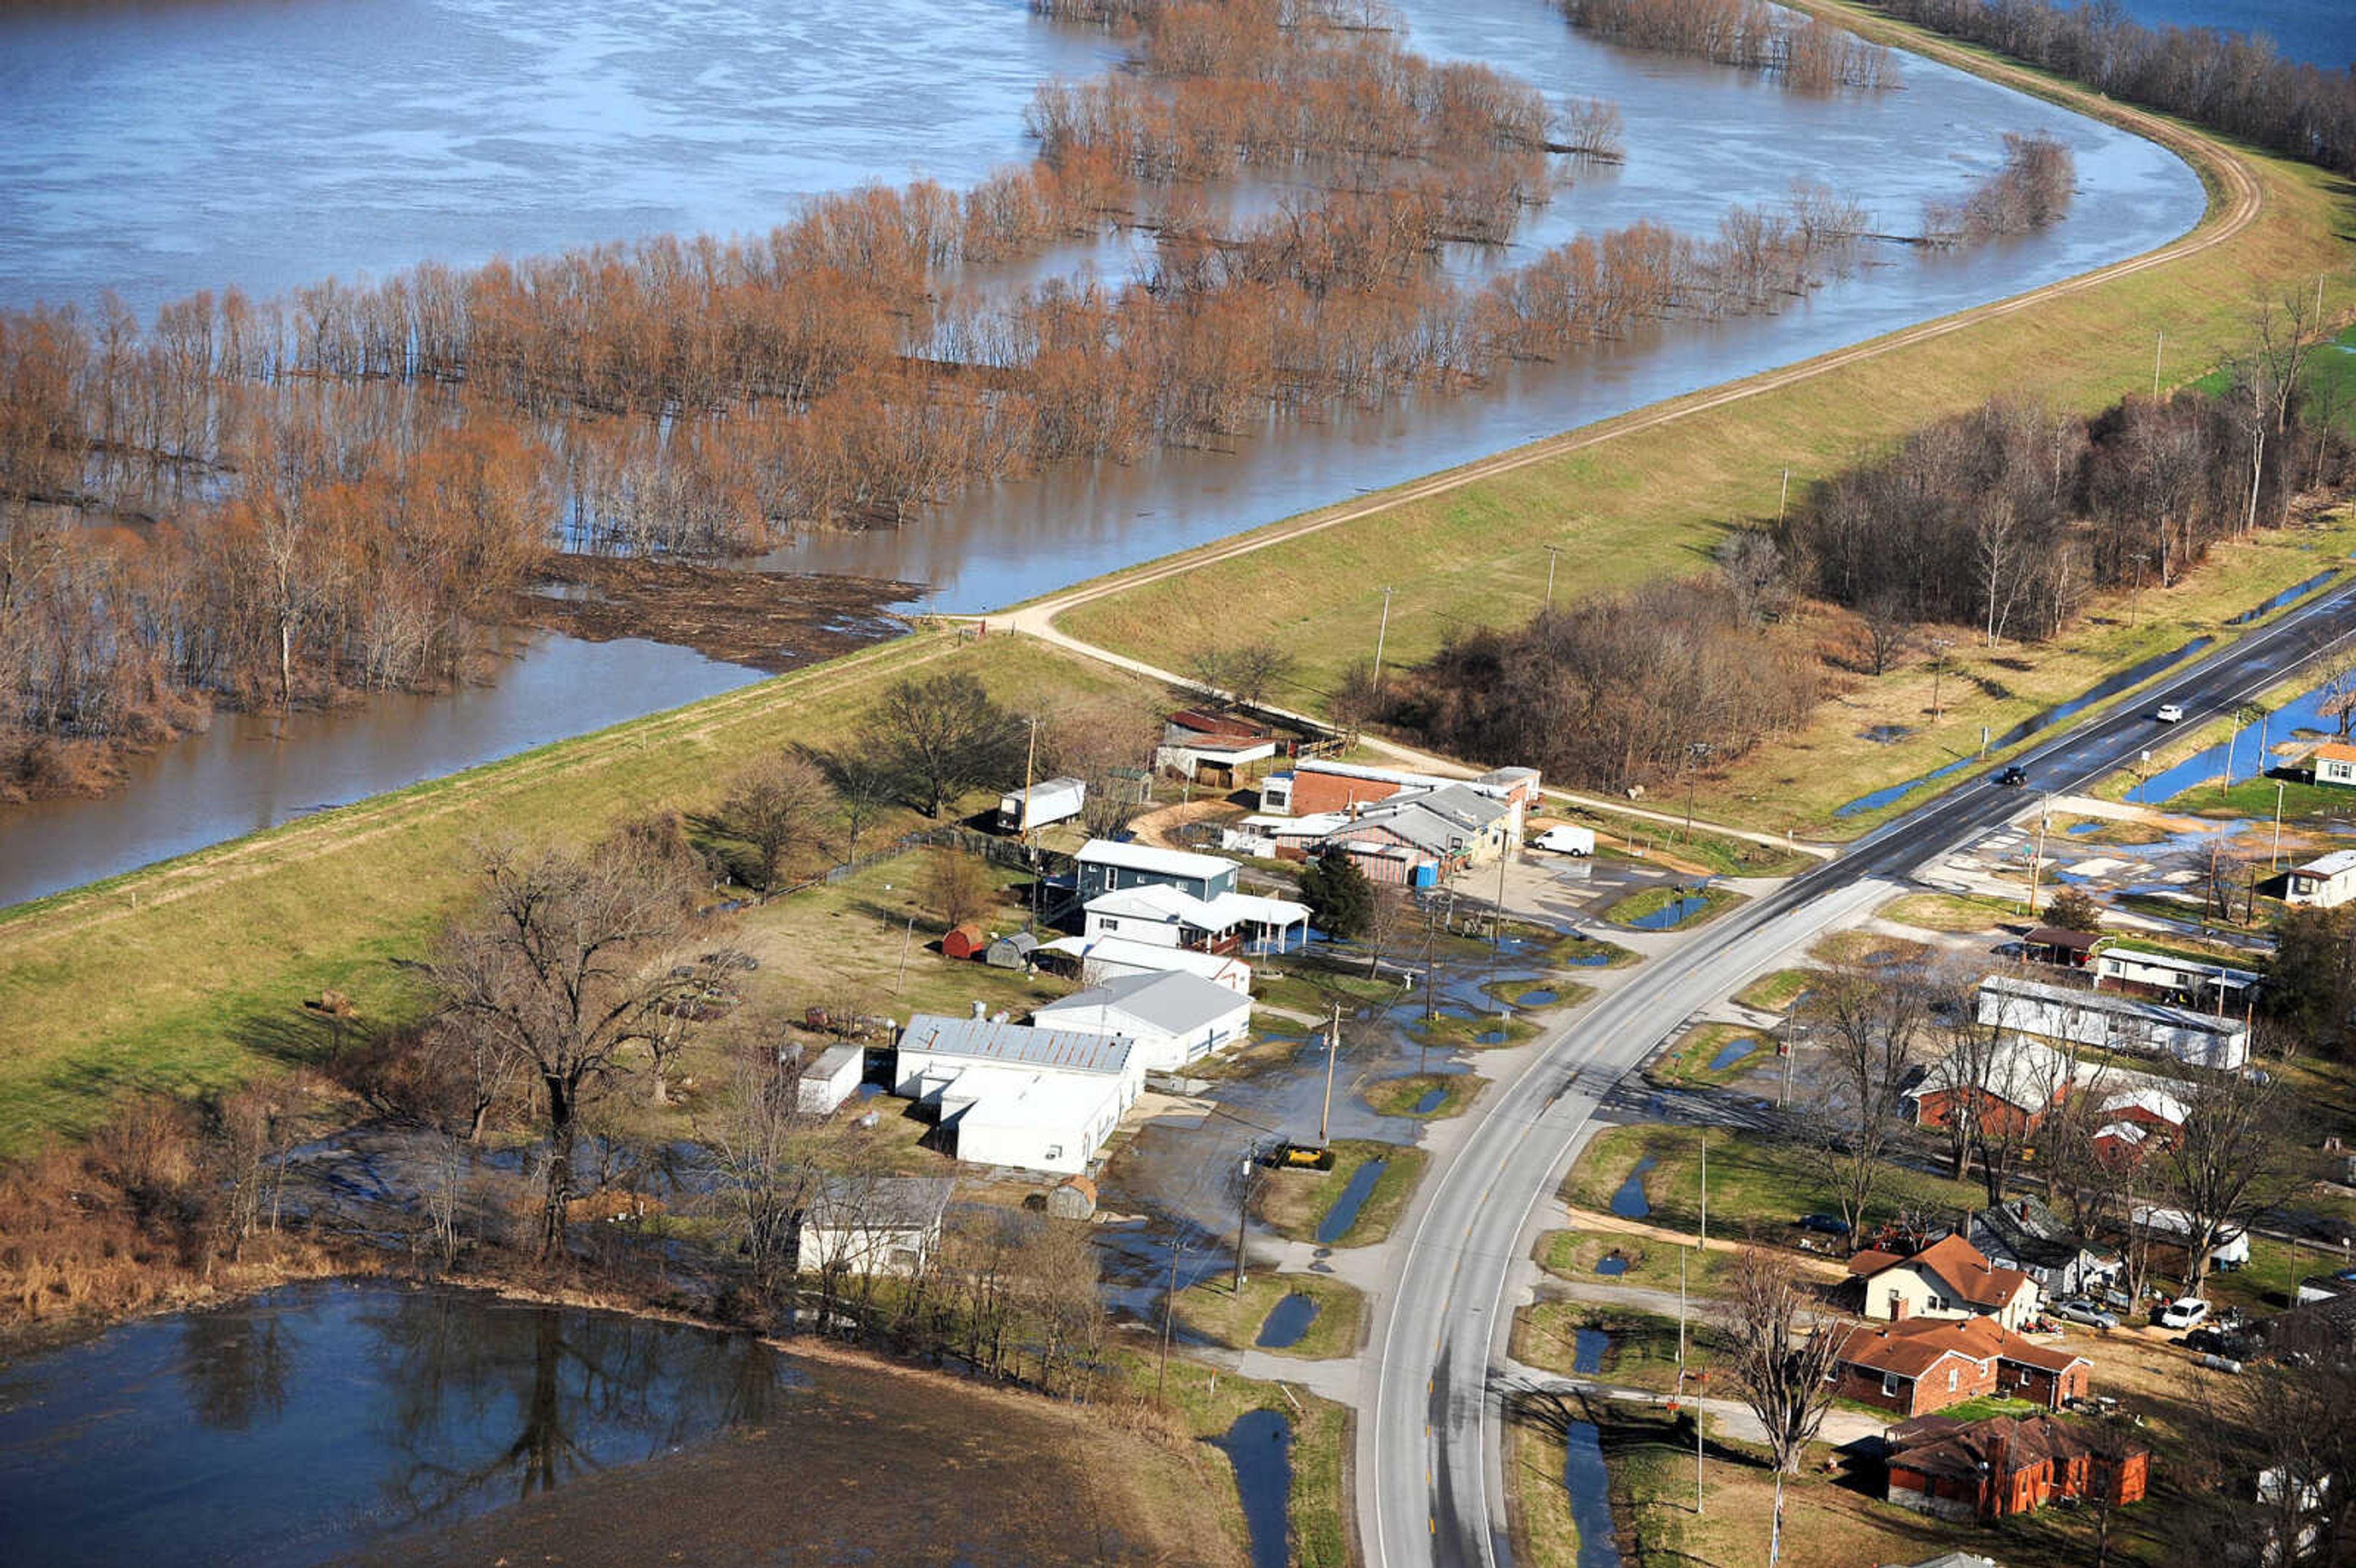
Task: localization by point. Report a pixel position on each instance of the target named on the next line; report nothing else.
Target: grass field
(189, 975)
(1757, 1184)
(1401, 1096)
(1949, 911)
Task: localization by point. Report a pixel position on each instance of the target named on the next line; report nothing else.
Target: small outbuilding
(2059, 945)
(1074, 1197)
(2324, 883)
(1040, 805)
(1012, 951)
(964, 941)
(829, 1081)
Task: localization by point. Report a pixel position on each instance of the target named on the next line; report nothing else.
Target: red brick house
(1925, 1365)
(1991, 1470)
(2013, 1085)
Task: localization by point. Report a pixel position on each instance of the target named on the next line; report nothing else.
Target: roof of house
(2153, 1102)
(902, 1202)
(1959, 1265)
(2061, 936)
(1154, 901)
(1949, 1559)
(1146, 857)
(2337, 863)
(1913, 1347)
(2128, 1133)
(1197, 721)
(987, 1040)
(834, 1059)
(2027, 1230)
(2338, 750)
(1172, 1003)
(1151, 955)
(1940, 1446)
(1506, 776)
(1399, 776)
(2112, 1002)
(2122, 951)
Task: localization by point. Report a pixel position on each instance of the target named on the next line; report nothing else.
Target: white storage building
(828, 1081)
(2114, 1023)
(1171, 1019)
(2326, 882)
(1041, 1099)
(1042, 804)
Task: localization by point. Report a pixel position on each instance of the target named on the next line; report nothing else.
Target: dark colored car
(2013, 777)
(1824, 1224)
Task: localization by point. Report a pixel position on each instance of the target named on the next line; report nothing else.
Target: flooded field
(273, 145)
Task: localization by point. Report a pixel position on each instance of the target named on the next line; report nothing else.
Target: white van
(1565, 839)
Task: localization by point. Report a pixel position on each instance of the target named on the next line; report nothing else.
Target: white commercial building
(2114, 1023)
(1171, 1019)
(1042, 1099)
(1096, 959)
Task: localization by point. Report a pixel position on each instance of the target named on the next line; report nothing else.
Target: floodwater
(249, 771)
(1670, 915)
(1286, 1322)
(1588, 1484)
(2243, 755)
(2317, 32)
(1432, 1100)
(160, 151)
(1259, 1445)
(1354, 1193)
(1732, 1051)
(1587, 1351)
(318, 1421)
(1630, 1202)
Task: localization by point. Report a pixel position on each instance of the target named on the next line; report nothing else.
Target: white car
(2170, 713)
(2184, 1312)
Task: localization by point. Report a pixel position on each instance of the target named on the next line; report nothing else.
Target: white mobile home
(1041, 805)
(2114, 1023)
(2326, 882)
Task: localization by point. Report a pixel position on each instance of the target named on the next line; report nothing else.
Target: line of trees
(2006, 518)
(2233, 81)
(2031, 190)
(1619, 690)
(1808, 54)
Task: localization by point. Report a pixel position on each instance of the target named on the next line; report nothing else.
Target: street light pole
(1694, 751)
(1381, 633)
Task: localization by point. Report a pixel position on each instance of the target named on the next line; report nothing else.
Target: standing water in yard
(1344, 1212)
(1287, 1322)
(1259, 1445)
(1588, 1484)
(1630, 1202)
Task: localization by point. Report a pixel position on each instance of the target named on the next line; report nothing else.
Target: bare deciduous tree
(2232, 1160)
(775, 808)
(1874, 1030)
(1781, 1368)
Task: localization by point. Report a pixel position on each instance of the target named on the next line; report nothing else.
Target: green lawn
(1642, 1352)
(1757, 1184)
(1401, 1097)
(1950, 911)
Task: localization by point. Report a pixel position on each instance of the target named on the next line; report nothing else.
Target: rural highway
(1430, 1486)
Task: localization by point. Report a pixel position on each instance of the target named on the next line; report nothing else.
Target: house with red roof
(1924, 1365)
(1991, 1470)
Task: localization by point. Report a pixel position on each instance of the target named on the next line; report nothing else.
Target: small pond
(1259, 1445)
(1432, 1100)
(1589, 1487)
(316, 1421)
(1613, 1267)
(1540, 998)
(1630, 1202)
(1344, 1212)
(1286, 1322)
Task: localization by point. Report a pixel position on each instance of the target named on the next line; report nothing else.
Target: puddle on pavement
(1286, 1322)
(1344, 1212)
(1732, 1051)
(1630, 1202)
(1259, 1445)
(1588, 1486)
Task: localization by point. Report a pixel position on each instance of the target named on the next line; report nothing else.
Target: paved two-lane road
(1430, 1486)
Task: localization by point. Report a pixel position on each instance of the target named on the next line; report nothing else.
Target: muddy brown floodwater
(773, 621)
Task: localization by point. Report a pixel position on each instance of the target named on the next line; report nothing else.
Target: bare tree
(2232, 1160)
(774, 808)
(957, 887)
(1886, 632)
(765, 1152)
(944, 736)
(1256, 669)
(552, 965)
(865, 783)
(1783, 1370)
(1874, 1030)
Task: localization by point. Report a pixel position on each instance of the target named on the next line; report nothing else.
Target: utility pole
(1554, 556)
(1243, 1214)
(2276, 859)
(1694, 751)
(1791, 1046)
(1698, 1425)
(1703, 1234)
(1683, 1254)
(1785, 497)
(1169, 1306)
(2037, 857)
(908, 936)
(1332, 1049)
(1497, 925)
(2157, 344)
(1382, 633)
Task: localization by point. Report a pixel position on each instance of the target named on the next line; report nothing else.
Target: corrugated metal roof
(986, 1039)
(1145, 858)
(1175, 1003)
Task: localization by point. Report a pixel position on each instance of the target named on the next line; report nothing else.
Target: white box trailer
(1048, 802)
(1565, 839)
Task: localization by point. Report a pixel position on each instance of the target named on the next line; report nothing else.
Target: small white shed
(831, 1079)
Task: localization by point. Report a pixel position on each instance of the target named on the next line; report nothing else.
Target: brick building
(1923, 1366)
(1992, 1469)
